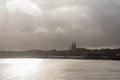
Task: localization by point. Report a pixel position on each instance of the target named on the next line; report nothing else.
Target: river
(58, 69)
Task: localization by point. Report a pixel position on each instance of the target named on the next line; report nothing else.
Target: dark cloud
(56, 23)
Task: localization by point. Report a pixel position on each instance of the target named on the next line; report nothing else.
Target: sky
(54, 24)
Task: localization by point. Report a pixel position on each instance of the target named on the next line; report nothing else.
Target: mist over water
(58, 69)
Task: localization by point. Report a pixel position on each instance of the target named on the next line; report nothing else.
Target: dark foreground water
(59, 69)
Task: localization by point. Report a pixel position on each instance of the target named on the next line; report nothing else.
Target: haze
(54, 24)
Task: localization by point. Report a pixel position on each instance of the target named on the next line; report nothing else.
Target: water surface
(59, 69)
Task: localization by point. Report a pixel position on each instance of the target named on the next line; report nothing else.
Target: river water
(59, 69)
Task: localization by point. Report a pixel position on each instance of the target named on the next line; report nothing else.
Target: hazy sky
(50, 24)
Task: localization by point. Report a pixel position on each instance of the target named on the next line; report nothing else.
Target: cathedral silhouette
(73, 46)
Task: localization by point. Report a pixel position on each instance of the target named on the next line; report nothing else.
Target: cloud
(42, 30)
(66, 9)
(71, 10)
(91, 23)
(26, 6)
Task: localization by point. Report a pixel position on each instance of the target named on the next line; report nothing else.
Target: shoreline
(6, 57)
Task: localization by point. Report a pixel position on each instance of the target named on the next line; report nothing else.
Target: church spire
(73, 46)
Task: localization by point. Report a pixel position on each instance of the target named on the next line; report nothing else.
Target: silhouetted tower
(73, 46)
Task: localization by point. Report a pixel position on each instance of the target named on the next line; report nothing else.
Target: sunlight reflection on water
(18, 69)
(58, 69)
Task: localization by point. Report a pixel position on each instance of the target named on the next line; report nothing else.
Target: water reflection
(58, 69)
(21, 69)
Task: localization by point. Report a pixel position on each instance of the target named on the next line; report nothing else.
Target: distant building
(73, 46)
